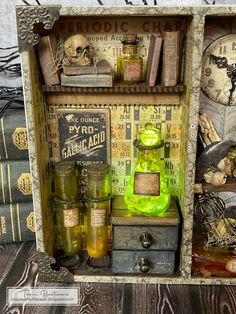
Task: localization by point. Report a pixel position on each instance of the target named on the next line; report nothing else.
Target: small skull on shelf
(78, 50)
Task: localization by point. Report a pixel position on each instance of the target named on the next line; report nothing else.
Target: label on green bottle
(147, 183)
(98, 217)
(71, 217)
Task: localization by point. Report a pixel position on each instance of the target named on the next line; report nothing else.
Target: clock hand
(221, 63)
(231, 73)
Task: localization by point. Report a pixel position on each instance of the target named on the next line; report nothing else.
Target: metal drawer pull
(143, 264)
(146, 240)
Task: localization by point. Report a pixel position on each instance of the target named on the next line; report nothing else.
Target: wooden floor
(18, 267)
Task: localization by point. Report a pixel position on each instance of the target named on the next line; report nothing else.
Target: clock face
(218, 73)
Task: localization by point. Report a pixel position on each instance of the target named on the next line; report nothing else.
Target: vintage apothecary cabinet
(175, 109)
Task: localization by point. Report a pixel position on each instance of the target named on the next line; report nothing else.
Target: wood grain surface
(18, 268)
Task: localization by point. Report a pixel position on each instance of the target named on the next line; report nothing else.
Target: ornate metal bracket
(47, 274)
(27, 16)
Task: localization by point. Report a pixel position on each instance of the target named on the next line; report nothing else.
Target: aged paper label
(71, 217)
(98, 217)
(147, 183)
(132, 71)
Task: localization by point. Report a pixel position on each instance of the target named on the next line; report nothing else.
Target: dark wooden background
(18, 267)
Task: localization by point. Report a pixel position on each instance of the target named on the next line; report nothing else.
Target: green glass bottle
(98, 195)
(66, 180)
(129, 66)
(147, 192)
(68, 217)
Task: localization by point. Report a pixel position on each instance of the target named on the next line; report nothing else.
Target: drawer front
(137, 237)
(143, 262)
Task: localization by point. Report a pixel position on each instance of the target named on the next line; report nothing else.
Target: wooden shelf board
(116, 89)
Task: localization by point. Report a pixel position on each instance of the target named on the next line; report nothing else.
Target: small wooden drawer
(140, 262)
(145, 237)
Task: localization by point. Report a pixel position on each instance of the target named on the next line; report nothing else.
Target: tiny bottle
(66, 181)
(129, 66)
(98, 202)
(68, 217)
(147, 192)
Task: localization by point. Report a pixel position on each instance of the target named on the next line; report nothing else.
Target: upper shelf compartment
(104, 39)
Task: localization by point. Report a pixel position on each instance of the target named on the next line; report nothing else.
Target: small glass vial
(68, 217)
(98, 202)
(66, 180)
(147, 192)
(129, 66)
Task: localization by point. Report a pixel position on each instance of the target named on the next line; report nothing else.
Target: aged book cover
(153, 60)
(46, 50)
(87, 80)
(17, 222)
(16, 181)
(101, 67)
(84, 135)
(171, 58)
(13, 135)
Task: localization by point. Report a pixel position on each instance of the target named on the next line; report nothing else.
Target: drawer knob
(146, 240)
(143, 264)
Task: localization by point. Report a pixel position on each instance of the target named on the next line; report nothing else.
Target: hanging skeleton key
(221, 63)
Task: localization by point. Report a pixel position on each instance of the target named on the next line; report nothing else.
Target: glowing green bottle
(147, 192)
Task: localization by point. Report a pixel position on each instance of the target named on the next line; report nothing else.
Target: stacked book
(16, 206)
(164, 59)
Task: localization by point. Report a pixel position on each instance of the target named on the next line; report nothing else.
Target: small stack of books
(98, 74)
(16, 206)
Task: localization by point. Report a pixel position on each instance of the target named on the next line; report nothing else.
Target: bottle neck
(129, 49)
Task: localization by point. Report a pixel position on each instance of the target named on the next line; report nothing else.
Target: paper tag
(71, 217)
(147, 183)
(98, 217)
(132, 71)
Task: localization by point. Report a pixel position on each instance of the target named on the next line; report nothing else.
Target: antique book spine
(17, 222)
(101, 67)
(16, 181)
(171, 58)
(153, 60)
(87, 80)
(13, 135)
(46, 50)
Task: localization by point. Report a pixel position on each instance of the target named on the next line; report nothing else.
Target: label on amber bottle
(147, 183)
(98, 217)
(132, 71)
(71, 217)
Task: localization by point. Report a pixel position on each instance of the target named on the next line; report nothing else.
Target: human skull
(78, 50)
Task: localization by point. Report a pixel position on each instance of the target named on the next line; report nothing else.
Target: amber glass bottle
(66, 180)
(68, 216)
(129, 66)
(98, 201)
(147, 192)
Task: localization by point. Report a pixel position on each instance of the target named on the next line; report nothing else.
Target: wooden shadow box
(174, 110)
